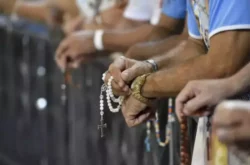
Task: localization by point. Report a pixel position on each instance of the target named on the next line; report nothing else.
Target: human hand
(73, 25)
(198, 97)
(76, 48)
(124, 70)
(231, 123)
(136, 112)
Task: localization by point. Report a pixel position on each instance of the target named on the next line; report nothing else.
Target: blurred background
(36, 126)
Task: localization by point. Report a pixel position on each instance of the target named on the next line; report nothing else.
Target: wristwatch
(136, 89)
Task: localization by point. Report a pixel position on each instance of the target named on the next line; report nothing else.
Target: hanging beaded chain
(110, 98)
(171, 119)
(185, 157)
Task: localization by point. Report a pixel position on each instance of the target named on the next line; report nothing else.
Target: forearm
(144, 51)
(186, 49)
(171, 81)
(240, 82)
(122, 40)
(35, 11)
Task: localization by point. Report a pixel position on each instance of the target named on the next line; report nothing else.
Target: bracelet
(153, 63)
(98, 39)
(136, 89)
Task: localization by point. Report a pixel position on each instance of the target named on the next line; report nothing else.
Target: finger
(195, 104)
(117, 91)
(134, 120)
(185, 95)
(79, 60)
(233, 135)
(62, 48)
(131, 73)
(226, 115)
(107, 77)
(115, 70)
(61, 62)
(201, 113)
(142, 118)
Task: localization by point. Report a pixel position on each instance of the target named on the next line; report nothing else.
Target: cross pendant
(101, 128)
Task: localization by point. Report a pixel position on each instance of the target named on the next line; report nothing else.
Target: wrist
(153, 65)
(136, 88)
(232, 87)
(147, 90)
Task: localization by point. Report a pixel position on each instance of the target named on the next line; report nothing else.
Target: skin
(41, 11)
(119, 40)
(199, 95)
(67, 14)
(222, 60)
(146, 50)
(231, 123)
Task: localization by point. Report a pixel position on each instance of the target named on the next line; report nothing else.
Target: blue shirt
(174, 8)
(215, 16)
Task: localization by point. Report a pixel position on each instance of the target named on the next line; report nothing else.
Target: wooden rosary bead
(185, 158)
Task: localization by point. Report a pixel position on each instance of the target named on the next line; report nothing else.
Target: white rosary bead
(110, 97)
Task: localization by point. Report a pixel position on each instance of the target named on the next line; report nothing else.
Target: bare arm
(36, 11)
(146, 50)
(122, 40)
(240, 82)
(229, 51)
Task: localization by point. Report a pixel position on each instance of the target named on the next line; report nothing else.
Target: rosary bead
(183, 127)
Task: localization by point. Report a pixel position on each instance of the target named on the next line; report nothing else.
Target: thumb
(131, 73)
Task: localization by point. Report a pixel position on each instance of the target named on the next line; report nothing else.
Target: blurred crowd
(197, 50)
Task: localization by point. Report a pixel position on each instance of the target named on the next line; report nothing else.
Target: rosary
(185, 157)
(157, 128)
(111, 99)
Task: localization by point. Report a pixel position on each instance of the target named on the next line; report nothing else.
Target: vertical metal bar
(41, 95)
(26, 73)
(10, 76)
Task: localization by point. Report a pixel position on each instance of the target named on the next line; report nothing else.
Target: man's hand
(73, 25)
(124, 70)
(76, 48)
(231, 123)
(198, 97)
(136, 112)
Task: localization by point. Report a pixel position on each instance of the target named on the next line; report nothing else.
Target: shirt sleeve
(228, 15)
(174, 8)
(140, 10)
(193, 28)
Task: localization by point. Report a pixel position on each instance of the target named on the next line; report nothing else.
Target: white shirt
(88, 11)
(141, 10)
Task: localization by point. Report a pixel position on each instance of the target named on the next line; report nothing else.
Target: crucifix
(101, 127)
